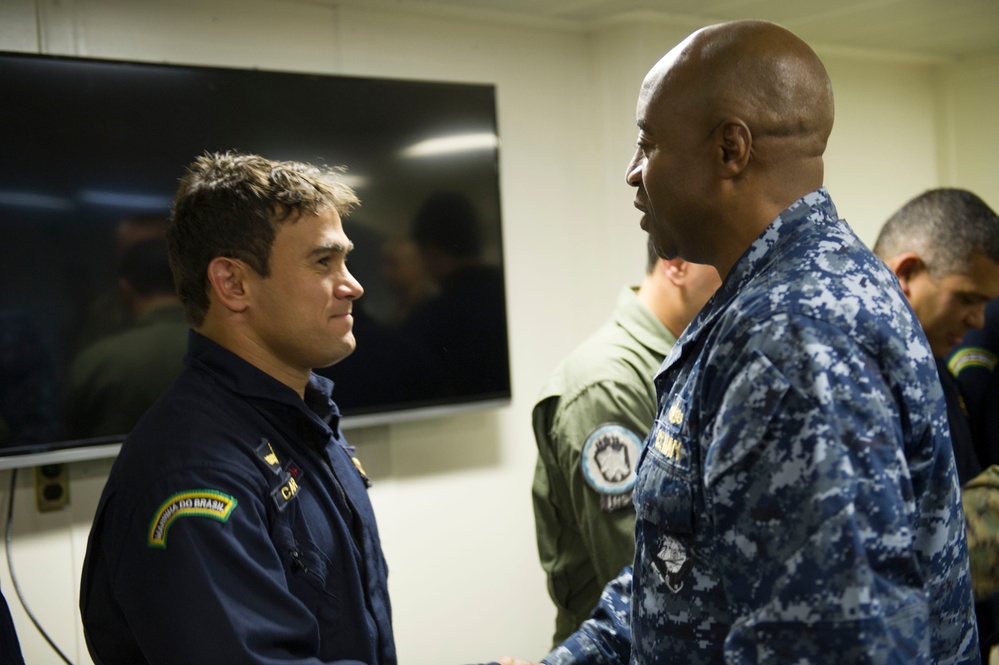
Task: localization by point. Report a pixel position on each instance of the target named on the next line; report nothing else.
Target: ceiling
(932, 29)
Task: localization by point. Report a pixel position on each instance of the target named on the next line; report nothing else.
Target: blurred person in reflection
(107, 311)
(589, 425)
(114, 380)
(235, 526)
(796, 499)
(403, 270)
(464, 325)
(943, 246)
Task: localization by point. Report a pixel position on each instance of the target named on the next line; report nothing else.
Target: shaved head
(736, 117)
(756, 71)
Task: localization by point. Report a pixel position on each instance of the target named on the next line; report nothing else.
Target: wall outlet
(51, 487)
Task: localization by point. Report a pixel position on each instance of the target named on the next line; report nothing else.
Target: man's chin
(943, 351)
(344, 349)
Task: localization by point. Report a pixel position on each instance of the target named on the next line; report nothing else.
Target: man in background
(589, 425)
(974, 365)
(943, 246)
(235, 525)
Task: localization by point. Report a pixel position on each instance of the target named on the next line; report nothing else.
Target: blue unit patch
(609, 462)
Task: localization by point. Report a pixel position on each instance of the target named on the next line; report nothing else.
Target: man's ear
(907, 266)
(735, 147)
(675, 270)
(228, 279)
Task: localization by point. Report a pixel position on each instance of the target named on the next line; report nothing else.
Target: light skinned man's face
(949, 305)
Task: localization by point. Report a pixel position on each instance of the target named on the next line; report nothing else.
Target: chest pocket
(664, 495)
(664, 503)
(307, 568)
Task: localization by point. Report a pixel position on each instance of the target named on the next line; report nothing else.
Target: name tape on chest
(609, 462)
(288, 488)
(191, 503)
(665, 443)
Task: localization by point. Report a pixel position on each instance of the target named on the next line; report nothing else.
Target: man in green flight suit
(590, 423)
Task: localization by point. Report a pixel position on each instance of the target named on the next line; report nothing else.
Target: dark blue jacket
(10, 648)
(974, 364)
(235, 527)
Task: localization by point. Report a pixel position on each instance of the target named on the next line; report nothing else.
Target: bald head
(758, 72)
(749, 107)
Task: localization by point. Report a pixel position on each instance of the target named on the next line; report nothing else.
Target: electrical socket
(51, 487)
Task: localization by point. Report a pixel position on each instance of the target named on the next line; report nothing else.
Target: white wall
(968, 97)
(453, 494)
(882, 151)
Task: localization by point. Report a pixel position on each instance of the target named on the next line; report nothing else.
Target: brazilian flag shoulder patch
(191, 503)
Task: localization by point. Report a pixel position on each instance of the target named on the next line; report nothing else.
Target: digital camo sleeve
(604, 638)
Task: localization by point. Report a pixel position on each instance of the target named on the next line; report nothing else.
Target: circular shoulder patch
(610, 458)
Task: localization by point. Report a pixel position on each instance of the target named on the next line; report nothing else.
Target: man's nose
(976, 318)
(633, 174)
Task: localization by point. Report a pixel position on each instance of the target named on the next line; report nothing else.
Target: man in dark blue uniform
(235, 526)
(974, 364)
(10, 647)
(943, 246)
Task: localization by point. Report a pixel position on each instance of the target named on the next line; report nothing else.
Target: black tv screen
(90, 157)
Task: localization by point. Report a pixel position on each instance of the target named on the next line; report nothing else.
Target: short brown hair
(231, 204)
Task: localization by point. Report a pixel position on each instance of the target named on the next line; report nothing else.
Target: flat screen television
(90, 156)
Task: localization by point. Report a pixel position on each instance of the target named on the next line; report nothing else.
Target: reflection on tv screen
(90, 329)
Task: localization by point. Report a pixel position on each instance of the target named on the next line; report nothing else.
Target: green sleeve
(609, 537)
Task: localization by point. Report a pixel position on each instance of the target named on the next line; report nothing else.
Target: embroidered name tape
(288, 488)
(192, 503)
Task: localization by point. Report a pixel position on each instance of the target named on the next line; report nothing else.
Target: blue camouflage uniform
(235, 527)
(797, 499)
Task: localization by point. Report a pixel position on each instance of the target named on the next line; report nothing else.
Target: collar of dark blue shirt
(253, 383)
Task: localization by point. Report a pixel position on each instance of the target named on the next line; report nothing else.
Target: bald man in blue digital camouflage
(796, 501)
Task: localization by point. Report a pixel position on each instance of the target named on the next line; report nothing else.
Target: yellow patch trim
(971, 357)
(198, 503)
